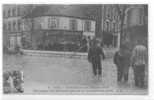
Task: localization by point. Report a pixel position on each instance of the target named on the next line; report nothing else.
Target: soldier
(94, 57)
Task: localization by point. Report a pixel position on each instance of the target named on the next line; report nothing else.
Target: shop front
(56, 40)
(14, 42)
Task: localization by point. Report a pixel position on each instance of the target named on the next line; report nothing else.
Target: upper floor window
(73, 24)
(141, 16)
(9, 13)
(53, 22)
(18, 11)
(9, 26)
(4, 14)
(19, 25)
(14, 26)
(87, 26)
(4, 26)
(13, 12)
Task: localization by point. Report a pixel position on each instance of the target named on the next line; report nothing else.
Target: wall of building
(136, 23)
(12, 20)
(110, 25)
(110, 17)
(55, 29)
(135, 16)
(62, 23)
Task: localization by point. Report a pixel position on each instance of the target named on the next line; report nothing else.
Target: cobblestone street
(53, 72)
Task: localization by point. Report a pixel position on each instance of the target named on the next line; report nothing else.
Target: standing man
(117, 59)
(122, 62)
(139, 61)
(94, 56)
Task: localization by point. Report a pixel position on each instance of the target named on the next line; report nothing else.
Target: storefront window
(18, 11)
(73, 24)
(87, 26)
(52, 22)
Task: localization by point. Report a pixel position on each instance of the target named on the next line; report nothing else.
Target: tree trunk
(32, 30)
(122, 37)
(99, 22)
(121, 31)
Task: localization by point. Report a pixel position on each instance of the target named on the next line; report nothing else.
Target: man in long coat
(122, 62)
(94, 56)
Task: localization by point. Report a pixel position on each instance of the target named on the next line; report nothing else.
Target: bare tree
(122, 15)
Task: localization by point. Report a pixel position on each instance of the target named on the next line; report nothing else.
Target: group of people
(124, 58)
(137, 59)
(13, 82)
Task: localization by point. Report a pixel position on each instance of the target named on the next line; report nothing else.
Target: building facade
(136, 23)
(110, 25)
(41, 23)
(12, 22)
(136, 15)
(50, 27)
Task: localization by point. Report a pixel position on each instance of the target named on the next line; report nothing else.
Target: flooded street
(56, 72)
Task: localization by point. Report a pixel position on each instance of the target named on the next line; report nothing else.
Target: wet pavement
(56, 73)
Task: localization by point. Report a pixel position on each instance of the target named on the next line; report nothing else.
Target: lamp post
(122, 14)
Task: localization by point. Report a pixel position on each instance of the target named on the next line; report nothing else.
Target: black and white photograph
(75, 49)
